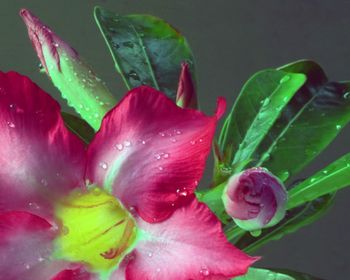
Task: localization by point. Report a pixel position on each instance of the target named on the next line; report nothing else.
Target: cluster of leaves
(282, 120)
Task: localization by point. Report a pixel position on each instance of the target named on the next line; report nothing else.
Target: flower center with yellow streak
(95, 229)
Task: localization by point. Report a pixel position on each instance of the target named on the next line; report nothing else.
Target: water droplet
(27, 266)
(178, 132)
(160, 168)
(338, 126)
(255, 233)
(325, 171)
(150, 254)
(165, 155)
(158, 270)
(127, 143)
(157, 156)
(346, 95)
(193, 142)
(285, 79)
(44, 182)
(162, 134)
(200, 140)
(41, 67)
(204, 271)
(312, 180)
(96, 115)
(56, 45)
(119, 146)
(182, 192)
(143, 142)
(132, 74)
(266, 101)
(103, 165)
(11, 124)
(41, 259)
(284, 176)
(173, 140)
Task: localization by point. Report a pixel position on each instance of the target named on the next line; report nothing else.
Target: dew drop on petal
(157, 156)
(11, 124)
(44, 182)
(204, 271)
(127, 143)
(119, 146)
(103, 165)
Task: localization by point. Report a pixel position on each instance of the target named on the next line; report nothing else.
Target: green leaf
(330, 179)
(79, 127)
(274, 274)
(295, 219)
(308, 124)
(146, 50)
(257, 108)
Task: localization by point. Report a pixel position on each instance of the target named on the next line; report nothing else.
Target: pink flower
(122, 208)
(255, 199)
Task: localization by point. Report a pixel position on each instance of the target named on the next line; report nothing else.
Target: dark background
(231, 40)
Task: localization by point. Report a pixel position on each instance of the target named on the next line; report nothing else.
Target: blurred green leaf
(274, 274)
(308, 124)
(146, 50)
(79, 127)
(295, 219)
(256, 109)
(330, 179)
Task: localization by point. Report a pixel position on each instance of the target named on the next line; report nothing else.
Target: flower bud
(186, 93)
(84, 91)
(255, 199)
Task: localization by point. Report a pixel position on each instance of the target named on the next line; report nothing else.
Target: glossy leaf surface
(332, 178)
(146, 50)
(309, 123)
(257, 108)
(79, 127)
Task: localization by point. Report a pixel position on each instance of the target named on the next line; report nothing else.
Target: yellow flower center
(96, 229)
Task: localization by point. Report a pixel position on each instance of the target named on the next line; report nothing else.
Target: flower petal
(25, 247)
(74, 274)
(150, 152)
(39, 157)
(188, 245)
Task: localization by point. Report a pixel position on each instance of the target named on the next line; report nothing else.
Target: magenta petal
(150, 152)
(74, 274)
(39, 157)
(188, 245)
(25, 247)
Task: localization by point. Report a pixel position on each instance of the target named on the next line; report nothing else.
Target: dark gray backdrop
(231, 40)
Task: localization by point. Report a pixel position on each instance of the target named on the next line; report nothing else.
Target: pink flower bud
(255, 199)
(186, 93)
